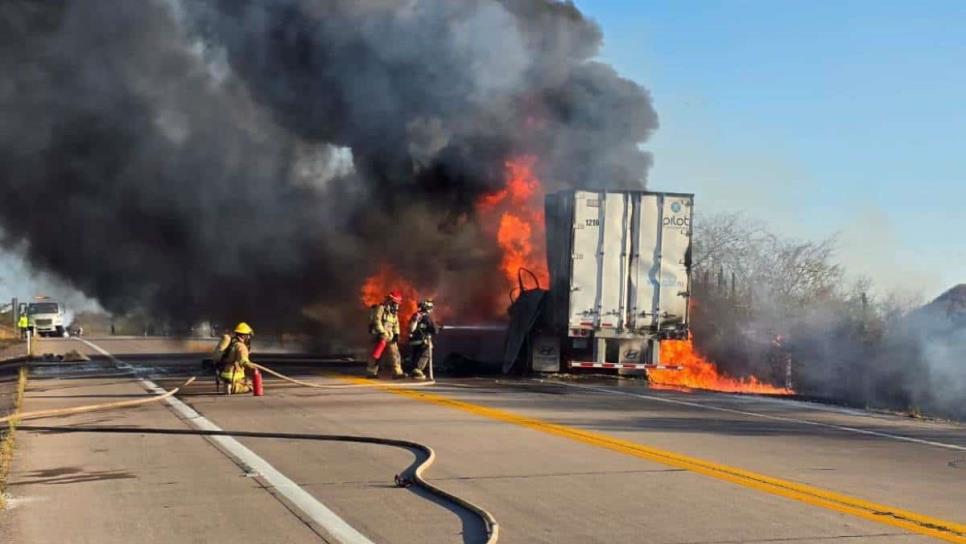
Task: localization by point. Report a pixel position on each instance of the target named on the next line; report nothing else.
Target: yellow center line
(889, 515)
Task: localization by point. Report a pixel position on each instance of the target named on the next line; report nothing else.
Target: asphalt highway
(554, 460)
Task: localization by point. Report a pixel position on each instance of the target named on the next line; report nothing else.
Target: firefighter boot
(241, 386)
(372, 367)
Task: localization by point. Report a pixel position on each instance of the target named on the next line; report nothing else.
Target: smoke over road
(224, 158)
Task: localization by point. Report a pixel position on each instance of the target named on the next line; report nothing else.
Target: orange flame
(700, 373)
(514, 215)
(378, 285)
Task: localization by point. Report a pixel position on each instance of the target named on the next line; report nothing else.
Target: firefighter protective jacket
(235, 360)
(421, 329)
(385, 323)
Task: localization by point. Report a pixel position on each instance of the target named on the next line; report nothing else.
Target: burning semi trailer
(619, 264)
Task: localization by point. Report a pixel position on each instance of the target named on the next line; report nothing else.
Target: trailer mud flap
(523, 316)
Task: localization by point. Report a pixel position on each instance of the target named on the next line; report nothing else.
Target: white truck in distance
(47, 318)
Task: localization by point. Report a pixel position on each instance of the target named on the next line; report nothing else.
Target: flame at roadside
(700, 373)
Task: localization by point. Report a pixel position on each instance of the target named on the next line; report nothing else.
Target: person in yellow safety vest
(384, 328)
(235, 360)
(23, 324)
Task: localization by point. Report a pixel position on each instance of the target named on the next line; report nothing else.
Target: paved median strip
(880, 513)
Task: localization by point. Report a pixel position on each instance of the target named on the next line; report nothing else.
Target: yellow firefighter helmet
(243, 328)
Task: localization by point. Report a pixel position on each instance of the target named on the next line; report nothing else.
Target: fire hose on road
(61, 412)
(412, 476)
(281, 376)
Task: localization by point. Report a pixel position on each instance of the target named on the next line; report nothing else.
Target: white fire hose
(405, 384)
(61, 412)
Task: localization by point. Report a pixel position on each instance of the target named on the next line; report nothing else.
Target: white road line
(766, 416)
(310, 507)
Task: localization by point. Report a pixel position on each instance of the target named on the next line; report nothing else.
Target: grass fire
(697, 372)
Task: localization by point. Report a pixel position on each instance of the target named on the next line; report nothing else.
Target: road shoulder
(123, 488)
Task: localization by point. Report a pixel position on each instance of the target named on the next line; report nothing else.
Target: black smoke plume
(219, 159)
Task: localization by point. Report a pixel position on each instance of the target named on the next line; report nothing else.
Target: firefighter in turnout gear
(384, 328)
(234, 360)
(422, 328)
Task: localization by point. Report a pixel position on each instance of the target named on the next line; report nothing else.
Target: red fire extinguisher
(257, 387)
(379, 348)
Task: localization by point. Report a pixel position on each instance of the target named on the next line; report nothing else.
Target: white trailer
(620, 279)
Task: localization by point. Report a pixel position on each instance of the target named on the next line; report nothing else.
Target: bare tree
(762, 265)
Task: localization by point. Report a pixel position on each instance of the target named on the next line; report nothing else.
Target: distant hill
(931, 351)
(948, 310)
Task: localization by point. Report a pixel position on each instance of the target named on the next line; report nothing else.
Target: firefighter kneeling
(422, 328)
(384, 328)
(234, 360)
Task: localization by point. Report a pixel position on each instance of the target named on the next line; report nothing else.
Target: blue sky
(818, 118)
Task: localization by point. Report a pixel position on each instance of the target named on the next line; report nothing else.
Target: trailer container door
(612, 282)
(645, 263)
(675, 261)
(660, 262)
(585, 264)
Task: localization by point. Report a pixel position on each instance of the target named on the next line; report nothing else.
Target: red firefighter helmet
(395, 295)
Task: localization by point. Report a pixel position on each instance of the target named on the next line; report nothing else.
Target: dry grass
(8, 333)
(7, 437)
